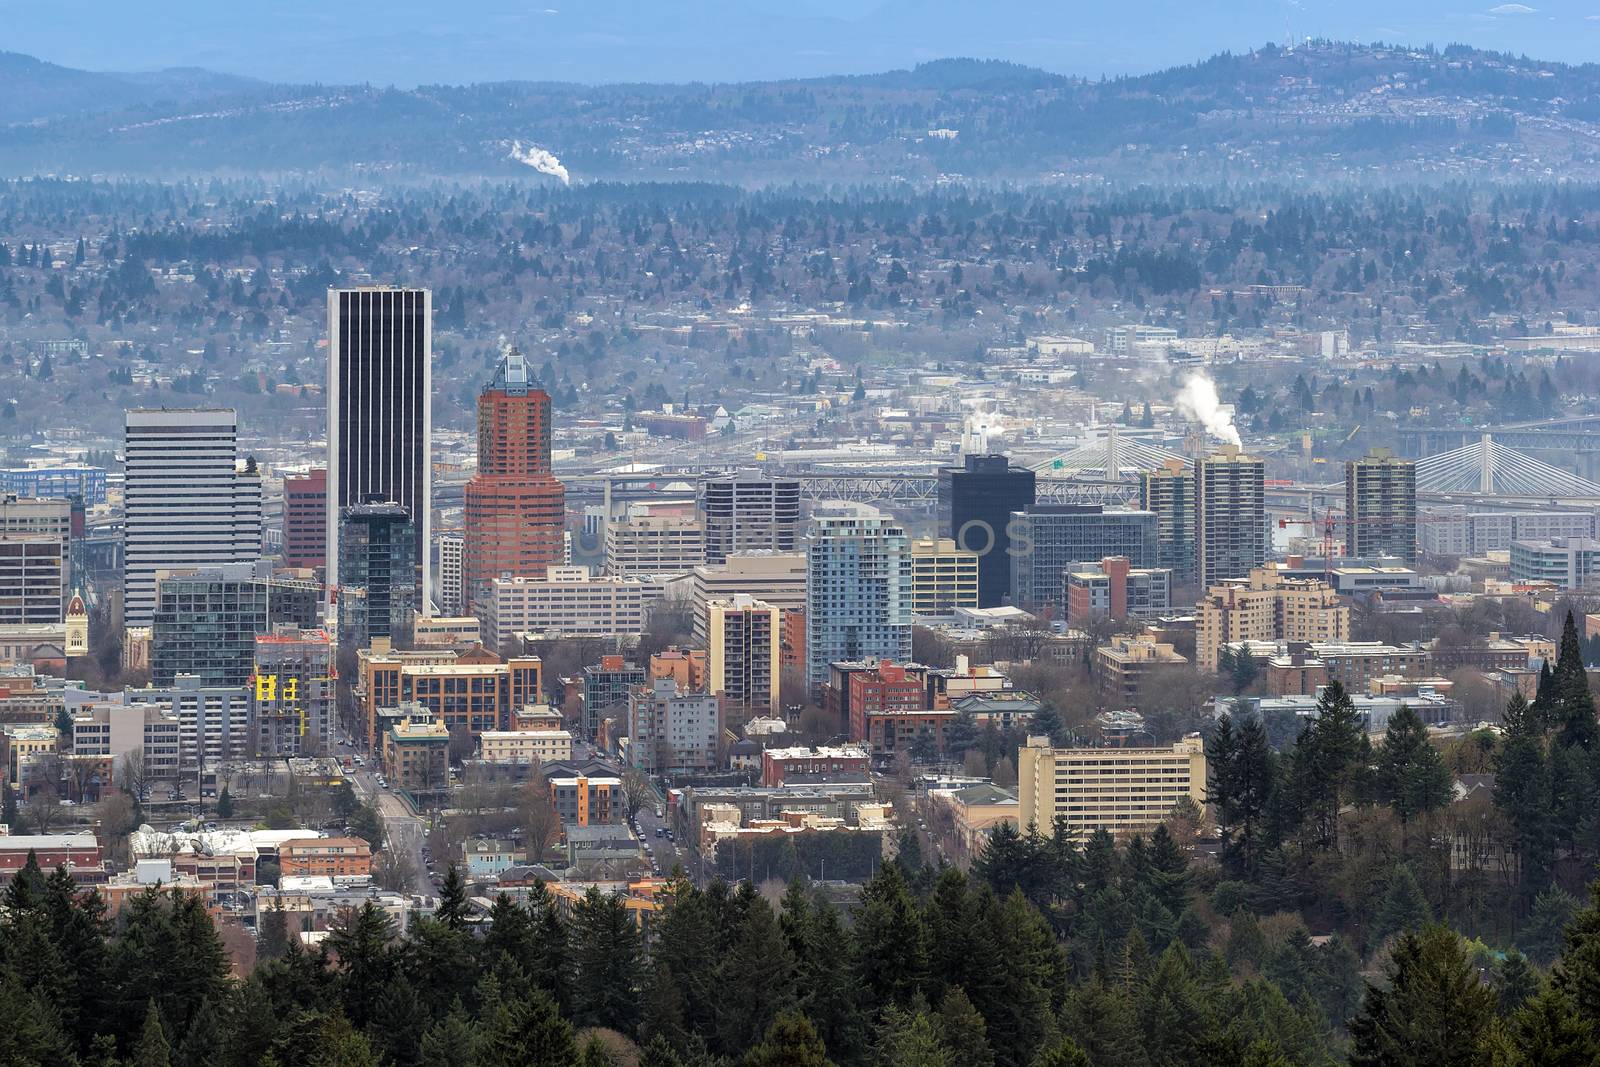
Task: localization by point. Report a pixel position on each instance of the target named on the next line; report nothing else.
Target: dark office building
(1049, 538)
(377, 573)
(380, 350)
(975, 504)
(206, 622)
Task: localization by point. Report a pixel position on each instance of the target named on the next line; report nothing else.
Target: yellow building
(1120, 667)
(1123, 790)
(524, 746)
(943, 577)
(25, 743)
(416, 754)
(473, 690)
(1268, 607)
(744, 651)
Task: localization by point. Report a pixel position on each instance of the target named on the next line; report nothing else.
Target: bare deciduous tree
(541, 825)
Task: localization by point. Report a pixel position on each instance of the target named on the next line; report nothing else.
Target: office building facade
(943, 577)
(187, 503)
(1380, 507)
(380, 418)
(568, 602)
(858, 589)
(1115, 589)
(748, 512)
(1230, 515)
(206, 622)
(515, 508)
(976, 502)
(661, 544)
(292, 689)
(1047, 539)
(1168, 491)
(305, 519)
(378, 594)
(35, 572)
(450, 595)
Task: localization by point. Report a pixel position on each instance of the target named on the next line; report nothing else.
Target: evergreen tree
(1403, 908)
(606, 952)
(964, 1031)
(1545, 1030)
(452, 909)
(1524, 792)
(273, 938)
(892, 951)
(206, 1042)
(1411, 775)
(225, 804)
(152, 1049)
(450, 1041)
(1547, 923)
(526, 1033)
(659, 1054)
(791, 1041)
(910, 1039)
(1433, 1010)
(757, 979)
(1515, 981)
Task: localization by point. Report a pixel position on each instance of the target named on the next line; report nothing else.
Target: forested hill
(1318, 113)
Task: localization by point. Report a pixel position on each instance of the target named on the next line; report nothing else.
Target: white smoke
(540, 160)
(1198, 401)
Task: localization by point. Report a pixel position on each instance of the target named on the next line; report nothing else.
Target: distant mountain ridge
(32, 89)
(1322, 111)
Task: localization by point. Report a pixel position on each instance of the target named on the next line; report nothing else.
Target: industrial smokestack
(1198, 402)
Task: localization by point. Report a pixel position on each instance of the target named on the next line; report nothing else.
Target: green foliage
(1432, 1010)
(1403, 909)
(1411, 775)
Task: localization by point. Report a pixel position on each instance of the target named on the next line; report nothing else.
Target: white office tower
(451, 597)
(187, 502)
(380, 422)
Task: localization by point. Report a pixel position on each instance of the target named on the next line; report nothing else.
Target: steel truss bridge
(911, 491)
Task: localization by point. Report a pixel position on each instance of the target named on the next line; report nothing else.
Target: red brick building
(78, 851)
(305, 519)
(848, 762)
(515, 508)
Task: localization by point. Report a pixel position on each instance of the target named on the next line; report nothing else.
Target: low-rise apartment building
(330, 857)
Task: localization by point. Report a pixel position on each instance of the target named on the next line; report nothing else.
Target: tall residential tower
(1380, 506)
(858, 589)
(1230, 515)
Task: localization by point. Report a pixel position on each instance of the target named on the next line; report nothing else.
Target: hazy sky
(407, 42)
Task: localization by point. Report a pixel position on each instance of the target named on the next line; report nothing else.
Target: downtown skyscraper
(515, 509)
(380, 418)
(187, 503)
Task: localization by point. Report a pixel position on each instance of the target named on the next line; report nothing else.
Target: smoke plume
(540, 160)
(1198, 401)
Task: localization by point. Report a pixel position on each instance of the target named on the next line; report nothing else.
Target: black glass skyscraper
(380, 350)
(975, 502)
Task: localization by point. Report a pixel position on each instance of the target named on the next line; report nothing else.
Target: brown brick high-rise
(515, 508)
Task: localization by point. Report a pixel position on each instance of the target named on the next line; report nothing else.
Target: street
(402, 831)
